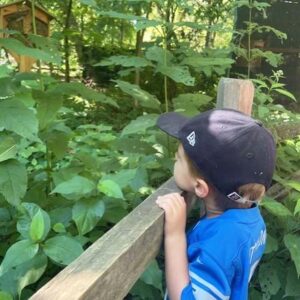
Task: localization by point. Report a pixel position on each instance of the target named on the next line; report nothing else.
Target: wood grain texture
(235, 93)
(108, 269)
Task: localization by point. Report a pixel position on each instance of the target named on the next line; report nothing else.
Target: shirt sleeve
(208, 280)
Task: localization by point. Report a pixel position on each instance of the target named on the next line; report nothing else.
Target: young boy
(227, 159)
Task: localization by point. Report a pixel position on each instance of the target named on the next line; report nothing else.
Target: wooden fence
(109, 268)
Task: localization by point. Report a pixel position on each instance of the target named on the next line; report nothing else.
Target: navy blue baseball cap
(228, 147)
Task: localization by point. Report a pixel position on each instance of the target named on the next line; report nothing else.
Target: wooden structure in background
(19, 16)
(283, 15)
(109, 268)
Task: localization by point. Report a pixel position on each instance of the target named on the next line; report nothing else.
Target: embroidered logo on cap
(191, 138)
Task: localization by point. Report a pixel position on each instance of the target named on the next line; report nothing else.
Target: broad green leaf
(293, 184)
(143, 291)
(153, 275)
(268, 278)
(48, 45)
(62, 249)
(114, 14)
(7, 88)
(78, 185)
(23, 275)
(16, 117)
(114, 210)
(143, 24)
(263, 111)
(5, 296)
(122, 177)
(91, 3)
(17, 254)
(198, 61)
(86, 214)
(61, 215)
(133, 144)
(144, 98)
(13, 181)
(179, 74)
(59, 228)
(191, 104)
(28, 211)
(8, 148)
(19, 48)
(292, 288)
(272, 244)
(285, 93)
(275, 208)
(79, 89)
(292, 242)
(140, 125)
(57, 142)
(159, 55)
(4, 214)
(194, 25)
(5, 70)
(110, 188)
(297, 207)
(125, 61)
(40, 226)
(47, 108)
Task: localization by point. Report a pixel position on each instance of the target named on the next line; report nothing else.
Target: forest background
(78, 143)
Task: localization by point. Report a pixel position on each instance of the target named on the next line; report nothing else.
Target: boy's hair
(250, 191)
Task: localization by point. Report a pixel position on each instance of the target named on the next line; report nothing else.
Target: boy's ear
(201, 188)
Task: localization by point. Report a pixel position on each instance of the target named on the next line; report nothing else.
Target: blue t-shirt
(223, 253)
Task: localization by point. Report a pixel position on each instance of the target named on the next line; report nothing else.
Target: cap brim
(171, 123)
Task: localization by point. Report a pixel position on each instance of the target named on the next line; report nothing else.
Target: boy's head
(228, 148)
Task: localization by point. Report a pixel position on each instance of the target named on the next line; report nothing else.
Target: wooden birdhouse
(18, 16)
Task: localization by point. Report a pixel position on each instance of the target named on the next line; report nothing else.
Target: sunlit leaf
(159, 55)
(78, 185)
(125, 61)
(110, 188)
(179, 74)
(140, 125)
(40, 226)
(276, 208)
(19, 48)
(144, 98)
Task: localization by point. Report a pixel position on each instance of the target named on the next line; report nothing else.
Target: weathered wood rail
(109, 268)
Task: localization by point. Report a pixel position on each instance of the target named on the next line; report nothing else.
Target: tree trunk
(67, 41)
(139, 40)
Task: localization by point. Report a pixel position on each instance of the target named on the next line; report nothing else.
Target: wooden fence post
(235, 93)
(109, 268)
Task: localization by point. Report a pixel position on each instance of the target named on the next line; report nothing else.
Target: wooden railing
(109, 268)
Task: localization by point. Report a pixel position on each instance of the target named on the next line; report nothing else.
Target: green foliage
(19, 48)
(191, 104)
(144, 98)
(74, 160)
(13, 181)
(16, 117)
(17, 254)
(62, 249)
(87, 213)
(110, 189)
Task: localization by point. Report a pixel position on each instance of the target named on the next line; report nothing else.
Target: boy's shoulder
(229, 234)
